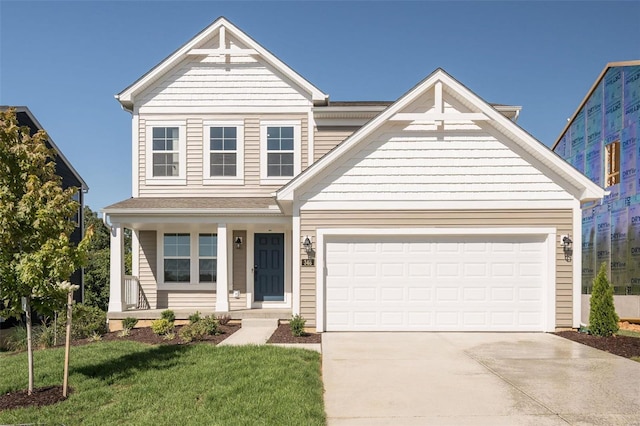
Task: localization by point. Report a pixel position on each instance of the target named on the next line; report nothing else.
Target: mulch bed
(146, 335)
(618, 345)
(283, 335)
(39, 398)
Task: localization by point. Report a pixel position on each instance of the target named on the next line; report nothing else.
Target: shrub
(224, 319)
(206, 326)
(603, 320)
(210, 325)
(162, 326)
(168, 315)
(85, 322)
(297, 325)
(129, 322)
(195, 317)
(188, 332)
(16, 339)
(45, 335)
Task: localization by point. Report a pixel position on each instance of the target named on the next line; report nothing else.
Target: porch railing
(134, 297)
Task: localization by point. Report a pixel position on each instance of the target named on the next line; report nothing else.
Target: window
(177, 260)
(612, 164)
(166, 153)
(223, 143)
(207, 263)
(188, 259)
(280, 151)
(223, 154)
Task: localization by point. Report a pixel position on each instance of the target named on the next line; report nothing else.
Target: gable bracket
(433, 117)
(222, 48)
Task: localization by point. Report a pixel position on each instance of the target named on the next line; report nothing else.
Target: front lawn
(202, 384)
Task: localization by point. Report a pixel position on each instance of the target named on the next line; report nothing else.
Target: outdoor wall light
(238, 242)
(567, 247)
(307, 245)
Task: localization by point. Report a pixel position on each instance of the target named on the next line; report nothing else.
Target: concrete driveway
(475, 379)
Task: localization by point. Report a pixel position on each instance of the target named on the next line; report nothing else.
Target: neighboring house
(70, 178)
(601, 140)
(252, 190)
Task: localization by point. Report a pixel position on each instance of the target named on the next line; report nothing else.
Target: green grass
(628, 333)
(131, 383)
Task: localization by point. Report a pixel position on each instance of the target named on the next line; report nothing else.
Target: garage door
(460, 283)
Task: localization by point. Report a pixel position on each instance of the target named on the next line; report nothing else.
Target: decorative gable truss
(221, 70)
(440, 145)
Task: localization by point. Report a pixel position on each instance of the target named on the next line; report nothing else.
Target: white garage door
(435, 283)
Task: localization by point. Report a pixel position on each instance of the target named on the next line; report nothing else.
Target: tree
(36, 221)
(603, 320)
(96, 273)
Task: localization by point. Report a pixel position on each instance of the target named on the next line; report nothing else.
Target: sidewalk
(256, 331)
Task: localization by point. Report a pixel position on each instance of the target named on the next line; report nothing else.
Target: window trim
(612, 164)
(297, 151)
(194, 257)
(238, 179)
(181, 179)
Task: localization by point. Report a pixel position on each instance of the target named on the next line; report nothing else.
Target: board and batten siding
(327, 138)
(561, 219)
(400, 165)
(195, 139)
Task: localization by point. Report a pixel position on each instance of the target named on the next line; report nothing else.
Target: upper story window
(280, 156)
(612, 164)
(223, 153)
(166, 153)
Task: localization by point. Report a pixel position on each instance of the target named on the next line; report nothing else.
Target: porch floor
(183, 314)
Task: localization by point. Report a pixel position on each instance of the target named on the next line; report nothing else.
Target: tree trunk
(67, 346)
(27, 311)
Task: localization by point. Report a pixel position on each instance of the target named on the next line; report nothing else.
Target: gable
(450, 160)
(448, 144)
(221, 68)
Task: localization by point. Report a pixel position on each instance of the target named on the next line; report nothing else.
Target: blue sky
(67, 60)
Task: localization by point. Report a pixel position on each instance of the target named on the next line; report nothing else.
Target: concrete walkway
(254, 331)
(475, 379)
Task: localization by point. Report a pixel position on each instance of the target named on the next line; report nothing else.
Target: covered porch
(222, 256)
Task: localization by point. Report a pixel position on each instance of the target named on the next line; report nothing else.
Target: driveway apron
(475, 379)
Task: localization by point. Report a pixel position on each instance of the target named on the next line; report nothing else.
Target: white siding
(223, 81)
(423, 165)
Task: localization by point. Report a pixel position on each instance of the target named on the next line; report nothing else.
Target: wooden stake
(67, 346)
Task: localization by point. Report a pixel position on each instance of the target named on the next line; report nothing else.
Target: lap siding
(560, 219)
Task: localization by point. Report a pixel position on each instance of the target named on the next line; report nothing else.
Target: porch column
(222, 285)
(116, 302)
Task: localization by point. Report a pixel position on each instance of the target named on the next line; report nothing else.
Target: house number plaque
(308, 262)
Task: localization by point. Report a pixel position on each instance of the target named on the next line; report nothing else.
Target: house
(253, 192)
(70, 178)
(601, 140)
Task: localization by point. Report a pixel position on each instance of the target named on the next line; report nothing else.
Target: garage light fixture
(567, 247)
(307, 245)
(238, 242)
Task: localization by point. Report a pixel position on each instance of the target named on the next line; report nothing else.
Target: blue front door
(269, 267)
